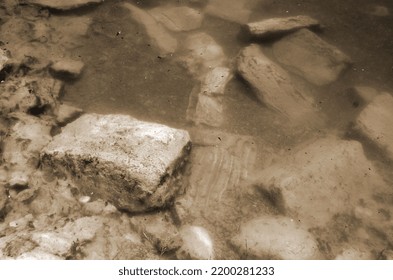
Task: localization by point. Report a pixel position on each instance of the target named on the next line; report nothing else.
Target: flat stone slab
(310, 57)
(178, 18)
(272, 84)
(271, 237)
(375, 122)
(129, 163)
(275, 26)
(63, 4)
(324, 178)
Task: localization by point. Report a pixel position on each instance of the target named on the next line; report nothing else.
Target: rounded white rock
(197, 244)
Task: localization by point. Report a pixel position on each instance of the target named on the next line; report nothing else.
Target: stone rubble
(277, 26)
(308, 56)
(22, 148)
(140, 161)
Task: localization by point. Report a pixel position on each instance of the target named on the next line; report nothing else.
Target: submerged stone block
(275, 238)
(324, 178)
(178, 18)
(130, 163)
(274, 26)
(375, 122)
(159, 36)
(310, 57)
(272, 84)
(63, 4)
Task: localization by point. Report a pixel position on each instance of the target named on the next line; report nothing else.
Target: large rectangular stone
(130, 163)
(273, 85)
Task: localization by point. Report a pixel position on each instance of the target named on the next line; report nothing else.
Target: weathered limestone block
(275, 238)
(69, 67)
(272, 84)
(375, 122)
(201, 54)
(22, 148)
(63, 4)
(178, 18)
(308, 56)
(132, 164)
(275, 26)
(206, 99)
(322, 179)
(158, 35)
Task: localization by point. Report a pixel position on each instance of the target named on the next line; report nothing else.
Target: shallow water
(126, 74)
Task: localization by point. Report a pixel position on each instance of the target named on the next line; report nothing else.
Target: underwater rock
(61, 242)
(38, 254)
(374, 122)
(308, 56)
(197, 244)
(26, 196)
(178, 18)
(270, 237)
(22, 147)
(201, 54)
(206, 99)
(3, 203)
(3, 59)
(323, 178)
(30, 94)
(272, 84)
(237, 11)
(161, 38)
(63, 4)
(363, 94)
(130, 163)
(276, 26)
(66, 113)
(67, 67)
